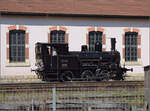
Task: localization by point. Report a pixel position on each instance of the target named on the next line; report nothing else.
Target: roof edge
(70, 15)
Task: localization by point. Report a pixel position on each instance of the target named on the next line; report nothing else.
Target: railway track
(73, 94)
(102, 84)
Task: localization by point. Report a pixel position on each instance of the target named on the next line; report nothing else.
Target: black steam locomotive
(55, 62)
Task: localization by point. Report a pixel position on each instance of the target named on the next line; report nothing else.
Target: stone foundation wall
(135, 77)
(22, 78)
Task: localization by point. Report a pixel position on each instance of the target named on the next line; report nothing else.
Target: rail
(102, 84)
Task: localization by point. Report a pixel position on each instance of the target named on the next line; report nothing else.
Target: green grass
(132, 97)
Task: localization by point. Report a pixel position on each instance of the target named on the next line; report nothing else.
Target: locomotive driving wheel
(87, 75)
(102, 75)
(99, 75)
(66, 76)
(105, 74)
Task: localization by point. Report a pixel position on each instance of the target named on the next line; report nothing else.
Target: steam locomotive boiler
(56, 63)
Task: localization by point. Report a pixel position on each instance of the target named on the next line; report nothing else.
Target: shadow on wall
(74, 21)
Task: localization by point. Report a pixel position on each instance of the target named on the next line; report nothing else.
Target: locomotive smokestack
(113, 44)
(84, 48)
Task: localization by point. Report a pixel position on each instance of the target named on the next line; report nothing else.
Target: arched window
(57, 36)
(131, 46)
(17, 46)
(94, 36)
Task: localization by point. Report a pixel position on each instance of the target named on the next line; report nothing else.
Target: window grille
(94, 37)
(57, 36)
(131, 46)
(17, 46)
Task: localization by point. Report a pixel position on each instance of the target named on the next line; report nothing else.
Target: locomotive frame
(56, 63)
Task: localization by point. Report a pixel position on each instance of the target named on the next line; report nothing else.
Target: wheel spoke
(102, 75)
(66, 76)
(87, 75)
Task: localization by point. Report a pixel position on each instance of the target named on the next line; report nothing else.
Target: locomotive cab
(54, 62)
(46, 55)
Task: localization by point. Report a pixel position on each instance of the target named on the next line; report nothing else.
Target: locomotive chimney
(84, 48)
(113, 44)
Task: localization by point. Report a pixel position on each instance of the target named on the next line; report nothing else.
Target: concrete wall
(38, 29)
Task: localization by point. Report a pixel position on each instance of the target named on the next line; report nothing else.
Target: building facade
(20, 31)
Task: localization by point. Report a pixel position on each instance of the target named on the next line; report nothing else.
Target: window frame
(17, 47)
(59, 36)
(26, 63)
(131, 47)
(96, 36)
